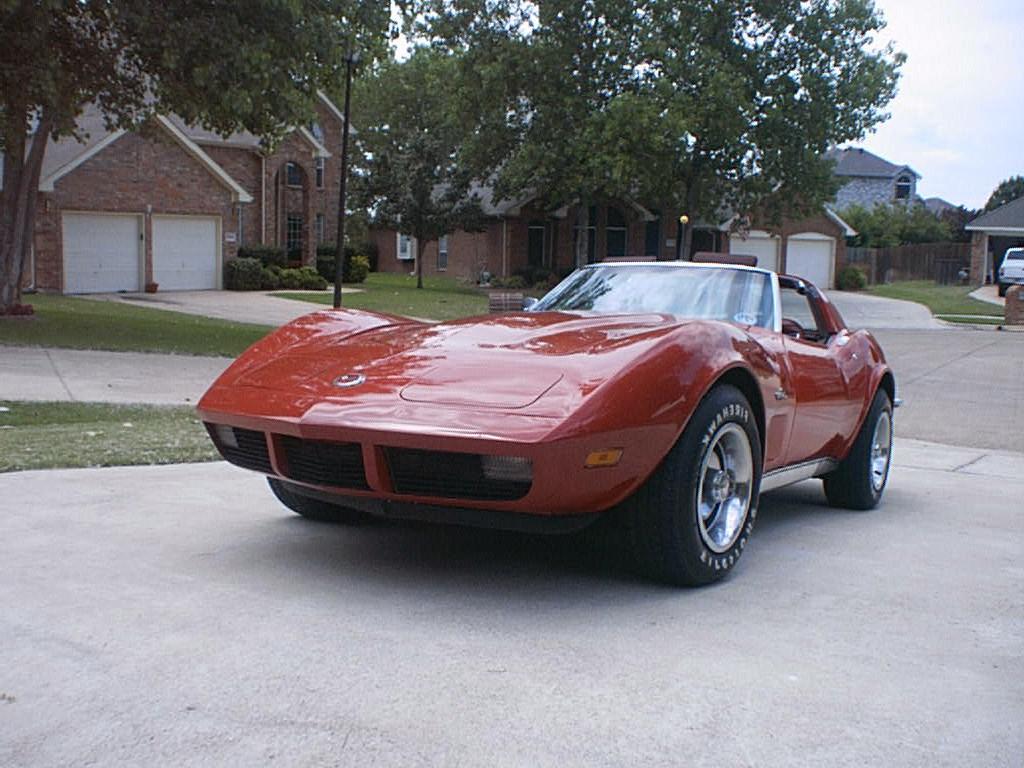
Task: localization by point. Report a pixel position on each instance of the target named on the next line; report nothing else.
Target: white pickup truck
(1012, 270)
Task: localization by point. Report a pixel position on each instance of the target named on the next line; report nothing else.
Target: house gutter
(504, 247)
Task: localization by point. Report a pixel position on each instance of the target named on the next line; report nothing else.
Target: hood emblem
(347, 380)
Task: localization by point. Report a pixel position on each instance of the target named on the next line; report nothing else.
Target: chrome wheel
(881, 450)
(726, 486)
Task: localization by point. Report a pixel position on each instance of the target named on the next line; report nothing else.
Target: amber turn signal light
(606, 458)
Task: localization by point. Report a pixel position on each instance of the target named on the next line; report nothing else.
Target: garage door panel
(759, 244)
(811, 259)
(185, 252)
(101, 253)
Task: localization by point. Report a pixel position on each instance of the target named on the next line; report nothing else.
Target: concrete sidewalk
(32, 373)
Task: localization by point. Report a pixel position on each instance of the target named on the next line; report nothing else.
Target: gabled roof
(1007, 218)
(937, 205)
(857, 161)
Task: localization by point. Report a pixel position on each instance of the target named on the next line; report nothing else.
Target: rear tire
(315, 509)
(689, 523)
(859, 481)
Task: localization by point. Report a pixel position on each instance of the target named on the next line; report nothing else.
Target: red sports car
(670, 394)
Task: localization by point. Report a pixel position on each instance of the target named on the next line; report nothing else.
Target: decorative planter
(151, 287)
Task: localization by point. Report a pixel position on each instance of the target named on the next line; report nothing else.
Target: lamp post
(339, 259)
(681, 239)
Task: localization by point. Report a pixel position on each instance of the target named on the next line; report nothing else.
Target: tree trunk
(18, 206)
(421, 247)
(582, 232)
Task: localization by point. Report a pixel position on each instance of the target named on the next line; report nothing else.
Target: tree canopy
(228, 66)
(1008, 190)
(695, 105)
(885, 226)
(411, 174)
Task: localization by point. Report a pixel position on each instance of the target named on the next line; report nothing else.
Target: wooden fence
(940, 262)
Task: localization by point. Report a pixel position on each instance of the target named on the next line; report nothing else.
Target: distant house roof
(1006, 219)
(857, 161)
(937, 205)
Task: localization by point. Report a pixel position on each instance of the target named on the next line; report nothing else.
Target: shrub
(532, 275)
(270, 278)
(243, 274)
(302, 278)
(357, 268)
(267, 255)
(515, 282)
(851, 279)
(356, 265)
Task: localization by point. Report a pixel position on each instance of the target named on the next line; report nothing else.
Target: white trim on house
(238, 193)
(333, 108)
(319, 149)
(46, 184)
(848, 231)
(995, 230)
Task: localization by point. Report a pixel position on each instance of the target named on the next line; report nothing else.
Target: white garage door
(757, 243)
(101, 253)
(185, 252)
(811, 255)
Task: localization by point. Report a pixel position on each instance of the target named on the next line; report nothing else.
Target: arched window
(903, 186)
(293, 175)
(317, 131)
(615, 233)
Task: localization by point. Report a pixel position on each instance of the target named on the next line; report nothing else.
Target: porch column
(979, 257)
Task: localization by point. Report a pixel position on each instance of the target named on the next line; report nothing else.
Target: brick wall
(1013, 312)
(144, 173)
(869, 192)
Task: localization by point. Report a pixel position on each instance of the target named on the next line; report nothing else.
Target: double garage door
(104, 253)
(809, 255)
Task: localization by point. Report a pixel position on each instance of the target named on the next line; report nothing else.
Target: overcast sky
(958, 119)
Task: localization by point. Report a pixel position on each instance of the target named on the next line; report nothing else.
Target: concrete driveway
(240, 306)
(861, 310)
(179, 616)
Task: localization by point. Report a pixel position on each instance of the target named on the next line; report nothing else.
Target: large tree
(1008, 190)
(255, 65)
(698, 105)
(410, 173)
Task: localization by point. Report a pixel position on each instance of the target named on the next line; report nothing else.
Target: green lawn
(51, 435)
(440, 298)
(61, 321)
(947, 302)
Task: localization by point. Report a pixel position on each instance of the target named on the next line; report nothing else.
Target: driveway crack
(59, 377)
(965, 465)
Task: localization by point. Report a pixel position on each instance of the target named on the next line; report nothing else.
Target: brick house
(869, 180)
(992, 233)
(520, 235)
(169, 203)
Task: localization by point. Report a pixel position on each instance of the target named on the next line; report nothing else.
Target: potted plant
(151, 287)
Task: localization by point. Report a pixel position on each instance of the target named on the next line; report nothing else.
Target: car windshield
(712, 293)
(1015, 255)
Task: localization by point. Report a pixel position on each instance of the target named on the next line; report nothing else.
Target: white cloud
(958, 118)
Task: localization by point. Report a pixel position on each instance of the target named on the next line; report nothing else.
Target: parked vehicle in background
(1011, 272)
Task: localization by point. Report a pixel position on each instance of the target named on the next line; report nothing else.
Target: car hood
(506, 362)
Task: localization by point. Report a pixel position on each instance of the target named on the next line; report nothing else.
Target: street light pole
(339, 259)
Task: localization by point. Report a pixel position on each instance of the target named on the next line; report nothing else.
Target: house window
(903, 186)
(319, 173)
(293, 175)
(406, 248)
(317, 131)
(319, 228)
(293, 239)
(442, 253)
(615, 234)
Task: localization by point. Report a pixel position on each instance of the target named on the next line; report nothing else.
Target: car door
(816, 382)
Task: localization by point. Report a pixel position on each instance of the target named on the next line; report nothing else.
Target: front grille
(322, 463)
(449, 475)
(249, 449)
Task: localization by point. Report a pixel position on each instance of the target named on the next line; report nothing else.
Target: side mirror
(528, 302)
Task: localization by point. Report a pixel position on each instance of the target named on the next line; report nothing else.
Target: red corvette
(671, 394)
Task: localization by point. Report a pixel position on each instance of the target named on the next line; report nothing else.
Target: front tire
(315, 509)
(689, 523)
(859, 481)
